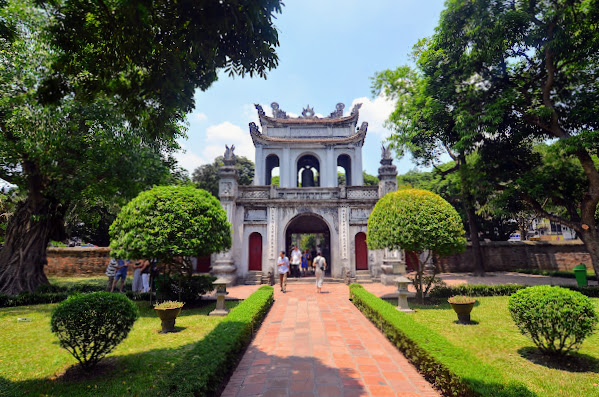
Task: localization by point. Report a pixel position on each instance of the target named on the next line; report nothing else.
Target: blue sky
(328, 52)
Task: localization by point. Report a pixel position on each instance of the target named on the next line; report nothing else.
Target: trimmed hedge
(498, 290)
(554, 273)
(452, 370)
(211, 361)
(55, 294)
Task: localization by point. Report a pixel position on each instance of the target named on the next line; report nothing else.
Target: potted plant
(462, 305)
(168, 312)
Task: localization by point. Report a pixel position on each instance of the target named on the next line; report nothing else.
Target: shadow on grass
(571, 362)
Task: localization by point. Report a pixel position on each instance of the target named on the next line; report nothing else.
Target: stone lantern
(402, 289)
(221, 293)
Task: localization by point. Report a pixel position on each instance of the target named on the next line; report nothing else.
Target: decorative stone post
(221, 293)
(394, 264)
(402, 289)
(224, 265)
(387, 173)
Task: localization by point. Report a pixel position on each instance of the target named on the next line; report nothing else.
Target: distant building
(544, 229)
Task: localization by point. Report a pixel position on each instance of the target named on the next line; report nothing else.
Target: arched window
(344, 168)
(308, 171)
(272, 169)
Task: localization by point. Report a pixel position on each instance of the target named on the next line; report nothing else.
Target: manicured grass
(32, 362)
(496, 341)
(69, 282)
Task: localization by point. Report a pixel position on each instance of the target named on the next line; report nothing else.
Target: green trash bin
(580, 272)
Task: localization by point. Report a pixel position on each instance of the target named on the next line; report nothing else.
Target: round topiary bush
(556, 319)
(90, 326)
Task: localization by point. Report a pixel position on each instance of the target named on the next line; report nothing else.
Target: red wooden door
(255, 251)
(203, 264)
(361, 252)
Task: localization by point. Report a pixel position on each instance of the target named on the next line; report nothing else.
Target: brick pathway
(320, 345)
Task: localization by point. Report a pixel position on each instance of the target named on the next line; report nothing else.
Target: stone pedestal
(402, 289)
(394, 265)
(224, 268)
(221, 294)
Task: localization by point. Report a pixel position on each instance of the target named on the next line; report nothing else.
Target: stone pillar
(224, 265)
(387, 173)
(285, 167)
(357, 166)
(260, 164)
(330, 168)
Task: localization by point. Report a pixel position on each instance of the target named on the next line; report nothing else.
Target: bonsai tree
(419, 221)
(170, 224)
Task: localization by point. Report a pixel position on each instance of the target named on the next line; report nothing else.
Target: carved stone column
(224, 265)
(387, 173)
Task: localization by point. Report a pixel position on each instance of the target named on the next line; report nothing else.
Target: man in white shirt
(296, 260)
(283, 265)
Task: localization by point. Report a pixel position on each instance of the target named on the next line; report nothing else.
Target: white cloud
(188, 159)
(375, 112)
(227, 133)
(199, 116)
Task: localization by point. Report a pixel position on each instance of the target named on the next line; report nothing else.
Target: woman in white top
(283, 265)
(320, 265)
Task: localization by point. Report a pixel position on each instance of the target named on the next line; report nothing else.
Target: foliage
(209, 363)
(369, 180)
(475, 290)
(307, 242)
(460, 299)
(171, 222)
(556, 319)
(90, 326)
(182, 288)
(415, 220)
(555, 273)
(206, 176)
(452, 370)
(169, 305)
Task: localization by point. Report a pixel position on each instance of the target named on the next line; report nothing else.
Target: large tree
(92, 96)
(525, 71)
(206, 176)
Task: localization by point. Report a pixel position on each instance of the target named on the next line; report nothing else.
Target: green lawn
(32, 362)
(496, 341)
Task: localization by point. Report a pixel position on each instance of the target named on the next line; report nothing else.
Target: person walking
(121, 273)
(320, 264)
(296, 260)
(110, 272)
(305, 258)
(283, 265)
(137, 284)
(145, 275)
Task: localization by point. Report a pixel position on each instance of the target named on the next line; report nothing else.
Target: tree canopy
(93, 96)
(170, 222)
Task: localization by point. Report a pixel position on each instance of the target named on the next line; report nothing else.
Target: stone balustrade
(308, 193)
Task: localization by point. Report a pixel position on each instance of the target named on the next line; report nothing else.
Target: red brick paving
(321, 345)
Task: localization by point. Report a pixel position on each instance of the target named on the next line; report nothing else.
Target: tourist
(283, 265)
(296, 260)
(110, 272)
(137, 283)
(320, 264)
(305, 259)
(121, 273)
(145, 275)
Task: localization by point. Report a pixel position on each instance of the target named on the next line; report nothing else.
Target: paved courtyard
(320, 345)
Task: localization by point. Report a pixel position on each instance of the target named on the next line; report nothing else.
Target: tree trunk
(590, 238)
(23, 257)
(479, 267)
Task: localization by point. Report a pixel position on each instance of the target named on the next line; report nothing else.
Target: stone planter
(168, 316)
(463, 311)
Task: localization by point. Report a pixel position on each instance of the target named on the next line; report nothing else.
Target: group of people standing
(117, 270)
(303, 261)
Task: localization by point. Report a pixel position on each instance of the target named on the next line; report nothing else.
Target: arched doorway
(255, 252)
(344, 162)
(272, 168)
(310, 229)
(361, 251)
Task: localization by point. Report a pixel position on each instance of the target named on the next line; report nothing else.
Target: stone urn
(462, 305)
(168, 312)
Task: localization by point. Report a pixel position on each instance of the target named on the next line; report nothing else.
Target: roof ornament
(277, 113)
(308, 113)
(386, 153)
(254, 129)
(229, 156)
(259, 109)
(356, 108)
(339, 112)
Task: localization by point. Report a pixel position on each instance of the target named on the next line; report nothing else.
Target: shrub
(416, 220)
(169, 305)
(210, 361)
(183, 288)
(475, 290)
(91, 325)
(460, 299)
(556, 319)
(452, 370)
